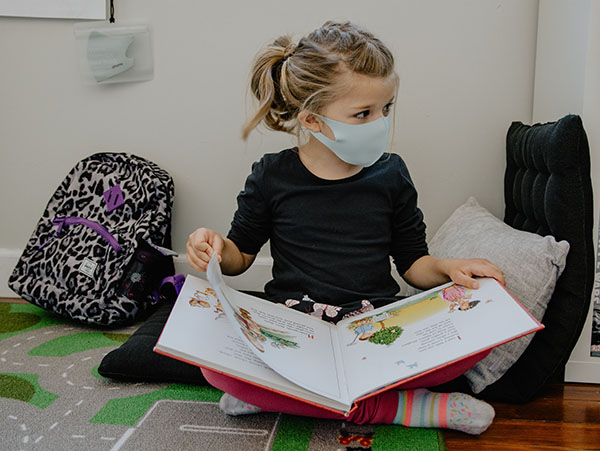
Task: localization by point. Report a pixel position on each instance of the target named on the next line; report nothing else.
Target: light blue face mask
(107, 55)
(358, 144)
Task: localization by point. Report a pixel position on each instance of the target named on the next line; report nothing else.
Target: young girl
(334, 210)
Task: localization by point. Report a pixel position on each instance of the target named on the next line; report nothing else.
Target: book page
(297, 346)
(423, 332)
(199, 332)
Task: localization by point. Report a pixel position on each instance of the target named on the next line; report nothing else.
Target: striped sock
(422, 408)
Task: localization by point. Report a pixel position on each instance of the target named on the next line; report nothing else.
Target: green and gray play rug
(52, 398)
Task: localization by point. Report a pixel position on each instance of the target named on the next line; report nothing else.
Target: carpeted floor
(52, 398)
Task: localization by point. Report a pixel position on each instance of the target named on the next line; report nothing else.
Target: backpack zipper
(95, 226)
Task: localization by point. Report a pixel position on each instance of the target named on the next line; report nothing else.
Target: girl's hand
(462, 271)
(201, 245)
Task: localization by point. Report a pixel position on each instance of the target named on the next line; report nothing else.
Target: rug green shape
(71, 344)
(25, 387)
(293, 433)
(95, 372)
(128, 411)
(14, 322)
(19, 318)
(395, 437)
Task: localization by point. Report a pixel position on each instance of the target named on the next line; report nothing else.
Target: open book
(281, 349)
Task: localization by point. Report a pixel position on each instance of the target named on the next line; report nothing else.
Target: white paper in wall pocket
(110, 53)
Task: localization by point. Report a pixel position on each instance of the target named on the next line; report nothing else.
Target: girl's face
(364, 99)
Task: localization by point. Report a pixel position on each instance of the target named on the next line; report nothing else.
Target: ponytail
(268, 84)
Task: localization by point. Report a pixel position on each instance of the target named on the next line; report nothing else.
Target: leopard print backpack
(97, 254)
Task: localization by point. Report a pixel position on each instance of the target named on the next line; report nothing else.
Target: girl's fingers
(217, 246)
(208, 242)
(198, 260)
(196, 263)
(488, 269)
(466, 281)
(482, 268)
(203, 249)
(209, 252)
(499, 276)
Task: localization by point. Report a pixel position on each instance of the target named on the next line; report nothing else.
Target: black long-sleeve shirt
(330, 239)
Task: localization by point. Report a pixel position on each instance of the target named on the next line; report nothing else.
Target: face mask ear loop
(112, 12)
(324, 121)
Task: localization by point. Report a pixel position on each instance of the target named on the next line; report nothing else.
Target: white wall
(568, 81)
(466, 67)
(560, 59)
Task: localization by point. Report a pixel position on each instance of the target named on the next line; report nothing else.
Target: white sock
(234, 406)
(468, 414)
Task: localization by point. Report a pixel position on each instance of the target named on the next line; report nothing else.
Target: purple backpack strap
(169, 288)
(177, 280)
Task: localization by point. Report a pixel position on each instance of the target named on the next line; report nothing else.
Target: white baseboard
(8, 260)
(583, 371)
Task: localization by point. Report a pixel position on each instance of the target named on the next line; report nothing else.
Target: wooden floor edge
(14, 300)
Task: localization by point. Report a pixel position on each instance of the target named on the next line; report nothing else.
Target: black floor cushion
(548, 191)
(136, 361)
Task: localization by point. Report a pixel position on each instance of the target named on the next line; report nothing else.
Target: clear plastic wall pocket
(114, 53)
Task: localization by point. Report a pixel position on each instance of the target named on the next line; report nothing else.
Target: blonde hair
(287, 78)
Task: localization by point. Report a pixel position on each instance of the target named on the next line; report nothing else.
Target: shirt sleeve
(408, 235)
(251, 224)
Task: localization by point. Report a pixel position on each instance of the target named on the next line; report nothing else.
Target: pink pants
(381, 408)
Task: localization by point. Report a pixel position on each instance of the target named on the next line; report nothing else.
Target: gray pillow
(531, 265)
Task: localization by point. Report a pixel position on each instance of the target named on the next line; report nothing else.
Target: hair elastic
(289, 51)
